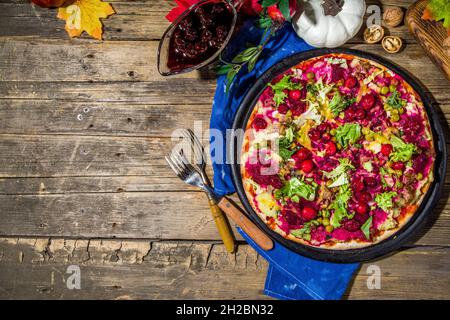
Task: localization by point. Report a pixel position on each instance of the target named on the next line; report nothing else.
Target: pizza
(338, 153)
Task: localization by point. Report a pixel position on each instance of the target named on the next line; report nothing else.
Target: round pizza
(338, 153)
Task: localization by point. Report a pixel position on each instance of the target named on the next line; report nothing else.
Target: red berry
(398, 165)
(295, 94)
(259, 123)
(365, 197)
(350, 113)
(302, 154)
(330, 148)
(361, 208)
(360, 114)
(275, 13)
(371, 182)
(314, 135)
(283, 108)
(326, 137)
(308, 213)
(352, 225)
(367, 101)
(386, 149)
(351, 82)
(358, 185)
(307, 166)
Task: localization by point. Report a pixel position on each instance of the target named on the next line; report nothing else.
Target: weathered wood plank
(119, 269)
(134, 60)
(137, 20)
(82, 156)
(79, 60)
(100, 118)
(166, 91)
(103, 165)
(19, 116)
(67, 155)
(106, 184)
(153, 215)
(150, 215)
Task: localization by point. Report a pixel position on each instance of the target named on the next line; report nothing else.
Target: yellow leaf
(84, 15)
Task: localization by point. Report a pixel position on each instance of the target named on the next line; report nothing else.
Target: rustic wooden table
(84, 126)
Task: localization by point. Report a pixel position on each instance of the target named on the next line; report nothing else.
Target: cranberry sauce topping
(199, 35)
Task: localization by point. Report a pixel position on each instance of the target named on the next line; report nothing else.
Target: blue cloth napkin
(290, 275)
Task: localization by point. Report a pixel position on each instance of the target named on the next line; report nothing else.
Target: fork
(186, 172)
(199, 163)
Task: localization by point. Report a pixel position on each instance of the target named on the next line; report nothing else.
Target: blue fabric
(290, 276)
(294, 277)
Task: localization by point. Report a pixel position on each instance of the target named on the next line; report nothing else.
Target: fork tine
(187, 135)
(198, 144)
(198, 147)
(184, 163)
(173, 166)
(178, 164)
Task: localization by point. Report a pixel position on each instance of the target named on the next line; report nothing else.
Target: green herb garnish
(339, 103)
(348, 133)
(340, 205)
(296, 188)
(395, 101)
(402, 151)
(365, 228)
(279, 94)
(384, 200)
(339, 174)
(305, 231)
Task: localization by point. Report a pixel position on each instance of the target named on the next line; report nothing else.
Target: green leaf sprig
(249, 56)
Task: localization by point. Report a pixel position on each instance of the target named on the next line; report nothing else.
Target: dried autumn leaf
(84, 15)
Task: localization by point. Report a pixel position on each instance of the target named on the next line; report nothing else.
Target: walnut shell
(393, 16)
(373, 34)
(392, 44)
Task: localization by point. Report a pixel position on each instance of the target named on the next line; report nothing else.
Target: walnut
(373, 34)
(393, 16)
(392, 44)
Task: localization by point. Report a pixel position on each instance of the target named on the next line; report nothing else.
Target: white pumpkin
(320, 30)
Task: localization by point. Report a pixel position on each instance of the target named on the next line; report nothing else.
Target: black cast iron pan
(414, 225)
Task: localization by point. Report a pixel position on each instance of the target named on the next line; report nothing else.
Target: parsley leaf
(284, 144)
(284, 84)
(305, 231)
(365, 228)
(296, 188)
(339, 103)
(402, 151)
(348, 133)
(340, 205)
(395, 101)
(319, 90)
(339, 174)
(384, 200)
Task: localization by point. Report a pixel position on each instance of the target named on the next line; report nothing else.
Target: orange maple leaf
(84, 15)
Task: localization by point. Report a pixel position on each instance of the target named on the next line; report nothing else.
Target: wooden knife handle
(222, 226)
(246, 224)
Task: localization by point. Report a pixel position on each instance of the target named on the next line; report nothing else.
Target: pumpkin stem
(332, 7)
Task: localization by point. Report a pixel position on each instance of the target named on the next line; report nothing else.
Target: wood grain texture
(131, 61)
(124, 269)
(66, 180)
(430, 35)
(150, 215)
